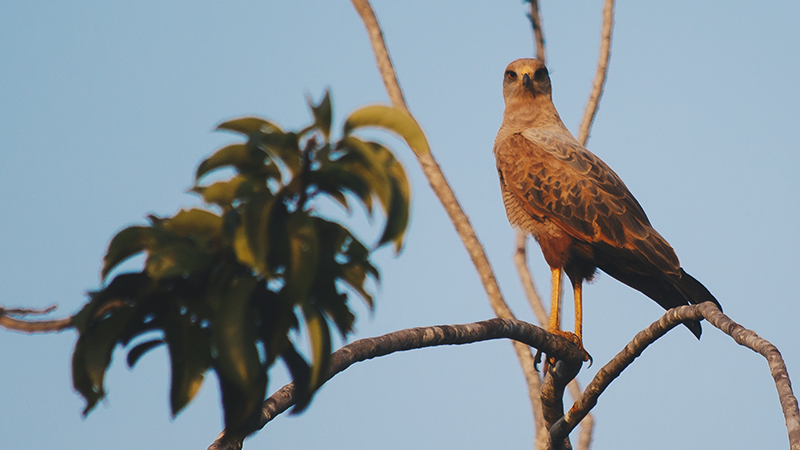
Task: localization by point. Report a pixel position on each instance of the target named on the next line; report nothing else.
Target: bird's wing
(557, 178)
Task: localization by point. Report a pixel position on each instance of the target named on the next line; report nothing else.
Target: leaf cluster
(226, 288)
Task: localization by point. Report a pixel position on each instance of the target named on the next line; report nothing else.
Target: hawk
(578, 210)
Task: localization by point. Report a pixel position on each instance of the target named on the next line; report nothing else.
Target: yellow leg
(578, 311)
(555, 304)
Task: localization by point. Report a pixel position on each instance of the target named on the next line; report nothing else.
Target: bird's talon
(572, 337)
(537, 358)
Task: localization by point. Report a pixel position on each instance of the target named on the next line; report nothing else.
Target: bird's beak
(528, 84)
(526, 81)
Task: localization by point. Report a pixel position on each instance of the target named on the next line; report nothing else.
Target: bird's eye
(540, 74)
(511, 75)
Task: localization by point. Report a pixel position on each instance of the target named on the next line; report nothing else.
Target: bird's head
(526, 80)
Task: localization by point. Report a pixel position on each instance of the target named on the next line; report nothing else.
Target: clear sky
(106, 108)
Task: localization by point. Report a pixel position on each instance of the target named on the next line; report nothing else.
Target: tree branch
(447, 197)
(777, 367)
(32, 326)
(538, 33)
(422, 337)
(600, 76)
(669, 320)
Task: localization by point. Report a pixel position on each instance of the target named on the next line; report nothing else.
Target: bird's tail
(669, 291)
(695, 293)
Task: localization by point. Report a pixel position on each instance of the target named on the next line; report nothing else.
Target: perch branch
(446, 196)
(600, 76)
(415, 338)
(32, 326)
(669, 320)
(777, 367)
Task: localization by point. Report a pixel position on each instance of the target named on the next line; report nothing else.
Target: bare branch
(422, 337)
(446, 196)
(600, 76)
(32, 326)
(777, 367)
(538, 33)
(521, 263)
(587, 423)
(382, 58)
(657, 329)
(27, 311)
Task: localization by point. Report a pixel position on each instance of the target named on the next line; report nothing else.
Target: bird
(579, 211)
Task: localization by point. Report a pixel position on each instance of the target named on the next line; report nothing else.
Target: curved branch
(422, 337)
(777, 367)
(446, 196)
(669, 320)
(32, 326)
(620, 362)
(600, 76)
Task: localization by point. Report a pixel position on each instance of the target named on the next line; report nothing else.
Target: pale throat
(525, 113)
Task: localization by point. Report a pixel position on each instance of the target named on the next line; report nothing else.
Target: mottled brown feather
(551, 178)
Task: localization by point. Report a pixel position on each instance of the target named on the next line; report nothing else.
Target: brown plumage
(580, 212)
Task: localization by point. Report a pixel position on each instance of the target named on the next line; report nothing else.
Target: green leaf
(177, 259)
(327, 296)
(234, 335)
(385, 178)
(223, 193)
(335, 177)
(241, 408)
(242, 376)
(319, 339)
(281, 146)
(92, 355)
(301, 374)
(392, 119)
(253, 245)
(138, 351)
(245, 158)
(303, 256)
(397, 213)
(197, 223)
(355, 275)
(244, 252)
(122, 288)
(126, 243)
(360, 160)
(248, 125)
(190, 359)
(322, 113)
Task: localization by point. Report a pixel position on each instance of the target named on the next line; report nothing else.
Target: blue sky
(106, 108)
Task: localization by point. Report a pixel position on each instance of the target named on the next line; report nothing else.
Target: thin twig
(600, 76)
(415, 338)
(27, 311)
(444, 192)
(538, 33)
(521, 263)
(32, 326)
